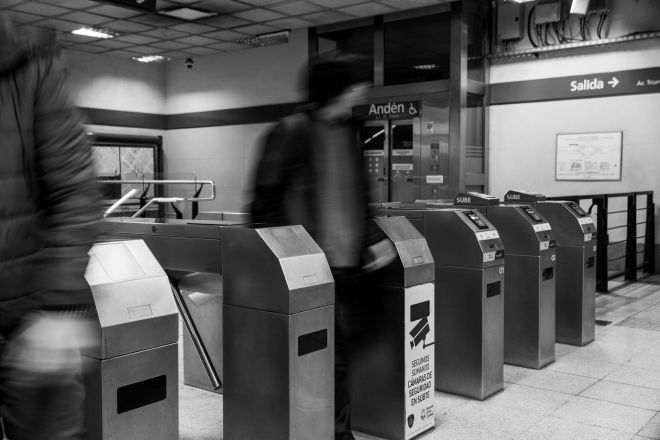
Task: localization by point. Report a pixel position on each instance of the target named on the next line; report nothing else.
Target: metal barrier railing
(145, 202)
(632, 262)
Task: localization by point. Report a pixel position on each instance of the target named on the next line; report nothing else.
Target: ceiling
(143, 33)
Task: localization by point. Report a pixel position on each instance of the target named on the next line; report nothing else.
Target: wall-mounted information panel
(589, 156)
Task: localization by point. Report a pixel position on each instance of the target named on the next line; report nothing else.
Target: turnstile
(131, 377)
(576, 271)
(190, 253)
(202, 294)
(469, 304)
(278, 364)
(529, 302)
(392, 361)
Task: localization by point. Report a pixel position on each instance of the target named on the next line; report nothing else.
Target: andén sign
(388, 110)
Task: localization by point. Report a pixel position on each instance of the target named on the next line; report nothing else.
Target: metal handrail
(631, 266)
(169, 182)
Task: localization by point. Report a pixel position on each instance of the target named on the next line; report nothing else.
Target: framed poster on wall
(589, 156)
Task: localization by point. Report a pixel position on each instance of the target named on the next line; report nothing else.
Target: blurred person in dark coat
(48, 220)
(311, 173)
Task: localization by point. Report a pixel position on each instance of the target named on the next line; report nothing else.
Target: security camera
(189, 63)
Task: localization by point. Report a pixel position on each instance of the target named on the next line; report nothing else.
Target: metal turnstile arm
(197, 341)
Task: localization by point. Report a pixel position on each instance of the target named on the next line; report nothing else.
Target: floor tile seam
(543, 389)
(657, 302)
(598, 426)
(563, 392)
(583, 375)
(643, 427)
(632, 384)
(622, 404)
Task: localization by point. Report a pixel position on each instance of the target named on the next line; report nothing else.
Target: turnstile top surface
(132, 297)
(572, 225)
(456, 236)
(277, 269)
(415, 263)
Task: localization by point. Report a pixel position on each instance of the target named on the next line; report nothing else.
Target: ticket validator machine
(469, 290)
(529, 302)
(392, 356)
(278, 363)
(131, 377)
(576, 267)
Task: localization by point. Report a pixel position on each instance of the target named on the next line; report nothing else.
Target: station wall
(522, 136)
(228, 81)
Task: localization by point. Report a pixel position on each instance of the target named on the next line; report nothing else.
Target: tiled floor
(609, 390)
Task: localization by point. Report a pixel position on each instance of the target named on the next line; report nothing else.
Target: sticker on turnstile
(369, 153)
(310, 279)
(585, 220)
(489, 256)
(542, 227)
(437, 179)
(587, 237)
(487, 235)
(402, 152)
(544, 245)
(594, 248)
(419, 341)
(402, 167)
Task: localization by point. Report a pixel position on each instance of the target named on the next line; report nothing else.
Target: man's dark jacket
(48, 196)
(286, 179)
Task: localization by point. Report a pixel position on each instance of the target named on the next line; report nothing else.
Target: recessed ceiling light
(521, 1)
(269, 39)
(426, 67)
(189, 14)
(94, 33)
(151, 59)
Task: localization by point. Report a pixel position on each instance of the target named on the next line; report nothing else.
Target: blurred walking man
(311, 173)
(48, 216)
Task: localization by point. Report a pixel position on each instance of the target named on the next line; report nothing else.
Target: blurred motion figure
(311, 173)
(48, 217)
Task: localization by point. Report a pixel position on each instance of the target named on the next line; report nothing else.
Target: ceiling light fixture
(426, 67)
(151, 59)
(95, 33)
(521, 1)
(189, 14)
(268, 39)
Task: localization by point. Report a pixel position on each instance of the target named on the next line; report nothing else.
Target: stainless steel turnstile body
(576, 271)
(190, 253)
(278, 363)
(131, 377)
(469, 303)
(529, 302)
(392, 364)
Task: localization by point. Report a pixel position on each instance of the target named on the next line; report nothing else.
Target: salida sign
(388, 110)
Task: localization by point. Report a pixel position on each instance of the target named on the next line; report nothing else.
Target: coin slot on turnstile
(548, 273)
(312, 342)
(418, 260)
(474, 218)
(493, 289)
(139, 394)
(590, 262)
